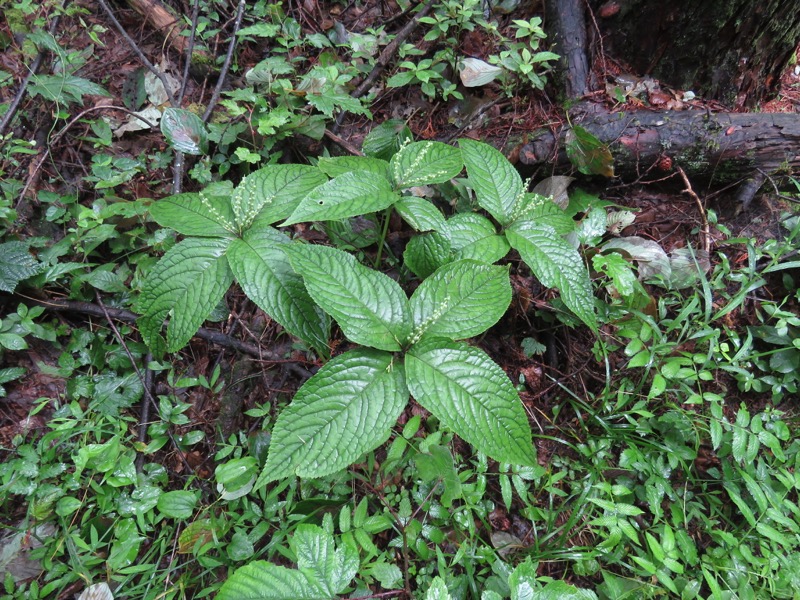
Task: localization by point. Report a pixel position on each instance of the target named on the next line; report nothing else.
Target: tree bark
(732, 51)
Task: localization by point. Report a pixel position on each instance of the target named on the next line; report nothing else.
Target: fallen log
(717, 149)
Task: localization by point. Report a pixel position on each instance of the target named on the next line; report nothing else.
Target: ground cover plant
(389, 367)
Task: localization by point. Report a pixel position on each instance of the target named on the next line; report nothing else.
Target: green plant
(408, 345)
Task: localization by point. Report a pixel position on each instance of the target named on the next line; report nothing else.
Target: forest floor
(83, 157)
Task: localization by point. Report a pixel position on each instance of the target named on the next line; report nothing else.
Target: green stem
(387, 214)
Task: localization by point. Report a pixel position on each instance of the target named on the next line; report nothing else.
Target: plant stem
(387, 214)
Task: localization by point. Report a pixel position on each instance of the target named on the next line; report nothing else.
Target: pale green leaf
(262, 268)
(370, 307)
(475, 72)
(557, 265)
(347, 195)
(16, 264)
(426, 252)
(438, 590)
(64, 88)
(261, 580)
(471, 395)
(317, 556)
(339, 165)
(776, 536)
(460, 300)
(240, 547)
(195, 214)
(272, 193)
(178, 504)
(474, 236)
(744, 507)
(184, 130)
(649, 255)
(739, 443)
(421, 214)
(558, 590)
(188, 282)
(495, 181)
(523, 581)
(345, 410)
(425, 163)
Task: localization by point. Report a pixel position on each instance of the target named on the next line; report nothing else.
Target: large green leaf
(339, 165)
(317, 556)
(474, 236)
(273, 192)
(195, 214)
(425, 163)
(345, 410)
(495, 181)
(426, 252)
(263, 270)
(460, 300)
(345, 196)
(557, 265)
(370, 307)
(261, 580)
(540, 210)
(16, 264)
(471, 395)
(421, 214)
(188, 282)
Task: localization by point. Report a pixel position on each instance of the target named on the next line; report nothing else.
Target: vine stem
(387, 214)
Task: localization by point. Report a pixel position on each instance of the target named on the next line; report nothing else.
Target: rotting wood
(714, 148)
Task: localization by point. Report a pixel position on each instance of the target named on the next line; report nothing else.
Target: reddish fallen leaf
(609, 9)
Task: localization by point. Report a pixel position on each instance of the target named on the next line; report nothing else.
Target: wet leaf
(185, 131)
(589, 155)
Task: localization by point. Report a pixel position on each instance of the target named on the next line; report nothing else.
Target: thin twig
(189, 50)
(144, 417)
(705, 230)
(148, 400)
(126, 316)
(227, 64)
(470, 119)
(150, 66)
(384, 59)
(343, 143)
(775, 187)
(37, 62)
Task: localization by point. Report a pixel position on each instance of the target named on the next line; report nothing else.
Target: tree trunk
(732, 51)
